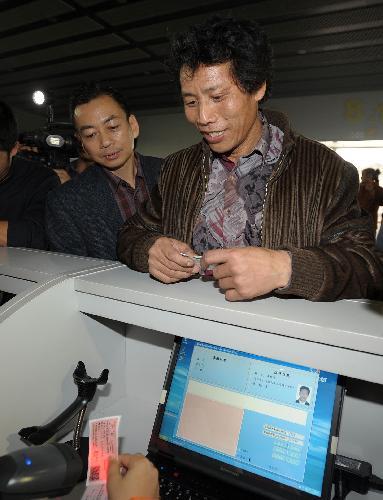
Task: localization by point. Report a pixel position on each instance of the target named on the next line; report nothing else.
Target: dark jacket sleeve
(346, 264)
(63, 234)
(140, 232)
(28, 231)
(151, 166)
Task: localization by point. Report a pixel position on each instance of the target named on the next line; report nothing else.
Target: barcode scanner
(53, 469)
(40, 471)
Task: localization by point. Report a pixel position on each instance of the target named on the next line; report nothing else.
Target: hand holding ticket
(140, 478)
(171, 260)
(195, 257)
(203, 270)
(103, 444)
(249, 272)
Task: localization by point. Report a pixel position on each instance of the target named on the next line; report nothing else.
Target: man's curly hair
(219, 40)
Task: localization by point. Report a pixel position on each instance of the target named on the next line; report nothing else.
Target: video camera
(54, 145)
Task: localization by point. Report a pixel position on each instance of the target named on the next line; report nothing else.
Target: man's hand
(140, 480)
(166, 262)
(245, 273)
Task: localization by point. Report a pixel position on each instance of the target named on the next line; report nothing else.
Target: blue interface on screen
(265, 416)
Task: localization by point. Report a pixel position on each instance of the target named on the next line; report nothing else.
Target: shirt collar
(261, 148)
(116, 181)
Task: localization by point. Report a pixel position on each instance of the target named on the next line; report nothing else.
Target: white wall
(347, 117)
(165, 132)
(353, 116)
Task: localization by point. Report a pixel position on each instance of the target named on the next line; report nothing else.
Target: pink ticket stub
(103, 443)
(95, 492)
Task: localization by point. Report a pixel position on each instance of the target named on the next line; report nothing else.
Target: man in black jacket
(85, 214)
(24, 186)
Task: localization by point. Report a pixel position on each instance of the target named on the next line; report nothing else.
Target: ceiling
(320, 46)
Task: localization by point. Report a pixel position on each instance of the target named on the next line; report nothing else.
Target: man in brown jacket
(269, 209)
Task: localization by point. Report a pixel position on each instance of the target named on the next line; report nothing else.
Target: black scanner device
(52, 469)
(39, 471)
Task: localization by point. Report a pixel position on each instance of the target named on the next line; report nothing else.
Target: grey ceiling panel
(70, 50)
(57, 81)
(73, 67)
(345, 71)
(336, 22)
(329, 43)
(145, 10)
(320, 46)
(88, 3)
(341, 57)
(30, 12)
(48, 34)
(162, 29)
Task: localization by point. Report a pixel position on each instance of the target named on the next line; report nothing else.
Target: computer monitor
(265, 425)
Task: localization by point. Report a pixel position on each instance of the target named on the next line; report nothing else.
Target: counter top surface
(351, 324)
(344, 337)
(37, 265)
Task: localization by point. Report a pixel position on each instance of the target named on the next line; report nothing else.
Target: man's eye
(114, 127)
(190, 104)
(217, 98)
(90, 135)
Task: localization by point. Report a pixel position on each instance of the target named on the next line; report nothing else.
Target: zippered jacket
(82, 215)
(310, 209)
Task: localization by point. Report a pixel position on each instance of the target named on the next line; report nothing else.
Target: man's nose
(206, 114)
(105, 140)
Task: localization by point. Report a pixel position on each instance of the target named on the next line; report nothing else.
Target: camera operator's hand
(140, 479)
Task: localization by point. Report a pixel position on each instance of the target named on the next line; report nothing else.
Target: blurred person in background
(76, 167)
(370, 196)
(82, 163)
(379, 236)
(24, 186)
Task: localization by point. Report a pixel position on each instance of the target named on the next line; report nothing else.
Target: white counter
(71, 308)
(344, 337)
(21, 268)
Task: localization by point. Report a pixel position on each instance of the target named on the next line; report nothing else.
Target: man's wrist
(285, 262)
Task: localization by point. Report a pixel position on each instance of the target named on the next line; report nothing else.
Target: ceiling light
(38, 97)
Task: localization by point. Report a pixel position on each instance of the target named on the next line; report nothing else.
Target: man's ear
(134, 126)
(14, 150)
(260, 93)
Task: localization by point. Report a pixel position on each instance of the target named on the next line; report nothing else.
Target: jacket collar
(281, 121)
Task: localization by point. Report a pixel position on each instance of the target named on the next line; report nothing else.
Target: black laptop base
(178, 483)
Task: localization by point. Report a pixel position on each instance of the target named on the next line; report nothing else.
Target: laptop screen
(270, 420)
